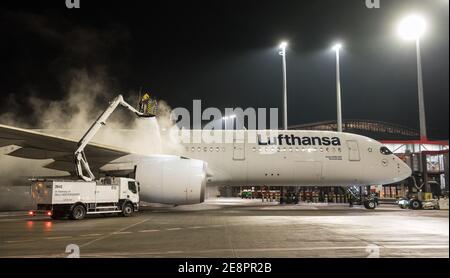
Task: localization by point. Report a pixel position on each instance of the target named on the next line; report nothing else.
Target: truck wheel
(415, 204)
(78, 212)
(127, 209)
(370, 204)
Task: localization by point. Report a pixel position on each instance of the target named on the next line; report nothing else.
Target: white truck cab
(78, 198)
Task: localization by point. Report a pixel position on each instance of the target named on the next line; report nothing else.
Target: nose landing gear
(370, 204)
(357, 196)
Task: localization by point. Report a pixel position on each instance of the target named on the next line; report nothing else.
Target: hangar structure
(427, 158)
(373, 129)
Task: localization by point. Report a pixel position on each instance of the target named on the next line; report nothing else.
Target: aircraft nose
(403, 169)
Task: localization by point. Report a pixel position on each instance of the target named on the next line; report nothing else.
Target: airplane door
(239, 145)
(188, 192)
(353, 150)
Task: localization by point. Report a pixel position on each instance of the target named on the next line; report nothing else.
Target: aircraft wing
(36, 145)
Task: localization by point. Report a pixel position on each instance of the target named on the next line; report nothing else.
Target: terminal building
(429, 160)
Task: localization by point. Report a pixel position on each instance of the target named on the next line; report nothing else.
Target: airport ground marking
(19, 241)
(271, 249)
(120, 230)
(174, 252)
(230, 241)
(121, 233)
(128, 254)
(173, 229)
(58, 237)
(91, 235)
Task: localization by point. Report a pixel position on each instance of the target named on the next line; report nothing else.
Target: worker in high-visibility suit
(147, 105)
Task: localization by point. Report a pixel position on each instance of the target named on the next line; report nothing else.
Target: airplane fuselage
(293, 157)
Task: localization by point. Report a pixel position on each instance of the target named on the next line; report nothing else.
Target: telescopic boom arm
(79, 155)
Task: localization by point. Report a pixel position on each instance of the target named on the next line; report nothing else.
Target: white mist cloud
(70, 118)
(87, 98)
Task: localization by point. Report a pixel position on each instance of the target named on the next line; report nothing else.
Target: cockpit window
(385, 151)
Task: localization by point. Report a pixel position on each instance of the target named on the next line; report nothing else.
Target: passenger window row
(271, 149)
(205, 149)
(298, 149)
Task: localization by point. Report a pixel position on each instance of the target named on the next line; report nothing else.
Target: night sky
(225, 53)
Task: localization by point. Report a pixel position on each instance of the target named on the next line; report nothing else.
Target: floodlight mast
(413, 27)
(79, 155)
(337, 47)
(283, 46)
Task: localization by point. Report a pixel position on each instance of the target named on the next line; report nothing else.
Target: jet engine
(171, 180)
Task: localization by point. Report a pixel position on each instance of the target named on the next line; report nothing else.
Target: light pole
(337, 47)
(412, 28)
(282, 52)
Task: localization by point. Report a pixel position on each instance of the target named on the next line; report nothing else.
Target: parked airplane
(290, 158)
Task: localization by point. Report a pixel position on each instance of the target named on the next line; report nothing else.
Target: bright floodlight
(412, 27)
(283, 45)
(337, 47)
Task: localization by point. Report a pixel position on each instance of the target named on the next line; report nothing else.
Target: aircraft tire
(78, 212)
(415, 204)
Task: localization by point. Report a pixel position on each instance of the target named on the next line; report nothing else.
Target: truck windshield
(385, 151)
(132, 187)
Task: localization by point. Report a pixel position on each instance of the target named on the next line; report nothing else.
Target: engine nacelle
(171, 180)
